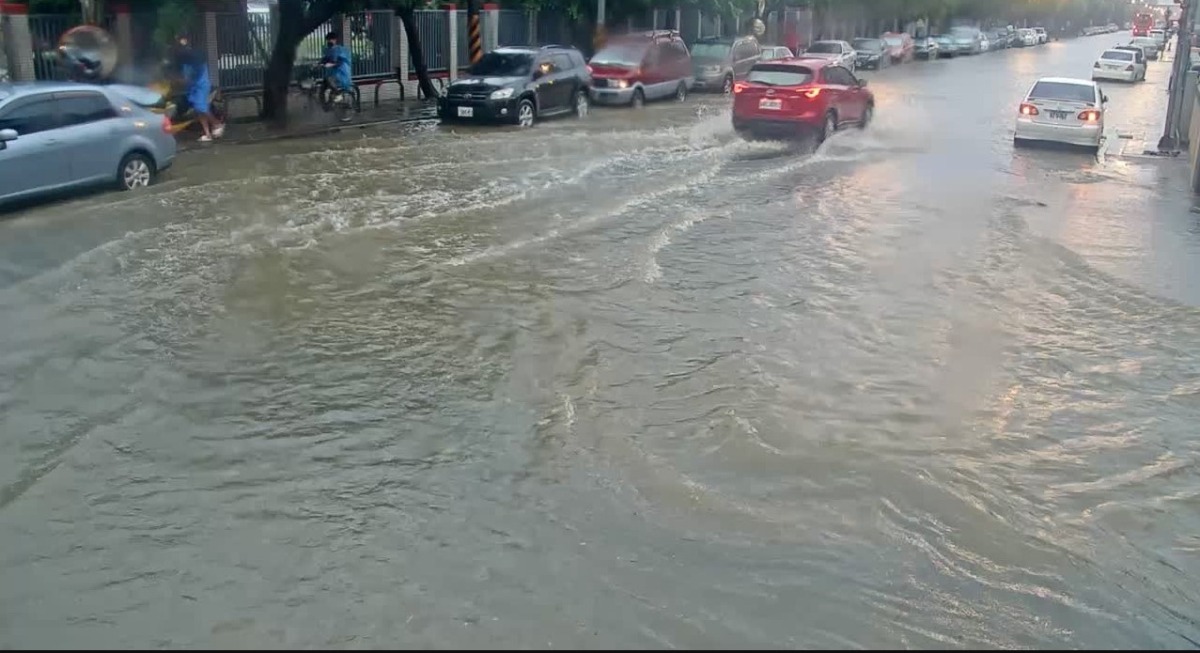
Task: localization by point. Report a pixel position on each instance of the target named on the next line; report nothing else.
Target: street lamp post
(1172, 130)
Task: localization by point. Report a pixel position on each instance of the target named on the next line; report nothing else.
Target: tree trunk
(408, 18)
(294, 25)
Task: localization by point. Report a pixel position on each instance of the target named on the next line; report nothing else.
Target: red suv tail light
(1028, 110)
(739, 87)
(1089, 115)
(166, 125)
(810, 93)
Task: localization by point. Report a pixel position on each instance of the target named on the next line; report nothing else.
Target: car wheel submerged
(681, 92)
(828, 127)
(727, 85)
(525, 114)
(136, 171)
(581, 104)
(638, 100)
(867, 116)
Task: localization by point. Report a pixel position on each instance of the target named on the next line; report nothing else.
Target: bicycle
(314, 83)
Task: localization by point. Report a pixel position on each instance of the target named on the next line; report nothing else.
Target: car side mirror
(7, 135)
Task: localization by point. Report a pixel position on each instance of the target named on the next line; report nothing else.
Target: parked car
(1028, 37)
(520, 85)
(1063, 110)
(719, 62)
(788, 99)
(927, 48)
(1124, 65)
(1148, 45)
(985, 43)
(636, 68)
(967, 40)
(773, 52)
(870, 53)
(57, 135)
(899, 46)
(838, 52)
(1161, 37)
(946, 46)
(1042, 36)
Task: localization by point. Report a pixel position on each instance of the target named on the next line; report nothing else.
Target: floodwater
(629, 382)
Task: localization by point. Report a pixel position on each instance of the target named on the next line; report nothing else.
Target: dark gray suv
(721, 61)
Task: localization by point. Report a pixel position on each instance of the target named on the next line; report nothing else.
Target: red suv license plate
(770, 104)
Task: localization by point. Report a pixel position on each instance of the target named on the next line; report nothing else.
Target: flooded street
(626, 382)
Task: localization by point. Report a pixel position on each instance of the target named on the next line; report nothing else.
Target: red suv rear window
(780, 75)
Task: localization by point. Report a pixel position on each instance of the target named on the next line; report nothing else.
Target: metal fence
(551, 28)
(45, 30)
(244, 44)
(371, 34)
(464, 41)
(514, 27)
(433, 26)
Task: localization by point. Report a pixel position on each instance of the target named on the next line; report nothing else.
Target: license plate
(770, 104)
(466, 112)
(1058, 115)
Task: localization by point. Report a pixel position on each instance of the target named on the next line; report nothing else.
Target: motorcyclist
(337, 66)
(193, 68)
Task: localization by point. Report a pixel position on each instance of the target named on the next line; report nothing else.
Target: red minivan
(794, 97)
(632, 69)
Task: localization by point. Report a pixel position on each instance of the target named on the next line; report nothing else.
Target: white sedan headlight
(502, 94)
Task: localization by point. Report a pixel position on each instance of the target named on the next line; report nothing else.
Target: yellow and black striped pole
(474, 34)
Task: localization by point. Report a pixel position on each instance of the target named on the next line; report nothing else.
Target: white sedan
(1062, 110)
(839, 52)
(1121, 65)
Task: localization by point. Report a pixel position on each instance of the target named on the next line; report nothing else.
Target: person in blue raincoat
(337, 65)
(193, 68)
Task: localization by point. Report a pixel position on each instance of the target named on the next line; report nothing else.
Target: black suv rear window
(503, 64)
(777, 75)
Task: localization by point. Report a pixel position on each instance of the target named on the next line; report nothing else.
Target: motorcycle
(174, 104)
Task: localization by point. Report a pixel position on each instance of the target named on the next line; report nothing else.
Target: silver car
(840, 53)
(60, 135)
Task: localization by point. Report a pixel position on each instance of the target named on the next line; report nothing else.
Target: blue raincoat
(340, 73)
(195, 73)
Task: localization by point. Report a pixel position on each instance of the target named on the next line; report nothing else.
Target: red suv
(634, 68)
(785, 99)
(899, 46)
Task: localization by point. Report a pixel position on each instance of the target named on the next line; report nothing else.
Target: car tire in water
(638, 100)
(582, 104)
(727, 85)
(828, 127)
(681, 92)
(135, 171)
(526, 113)
(867, 116)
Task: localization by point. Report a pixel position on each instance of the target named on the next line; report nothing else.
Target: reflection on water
(626, 383)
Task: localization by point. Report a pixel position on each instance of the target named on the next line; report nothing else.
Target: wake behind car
(520, 85)
(60, 135)
(837, 52)
(793, 98)
(632, 69)
(1121, 64)
(1062, 110)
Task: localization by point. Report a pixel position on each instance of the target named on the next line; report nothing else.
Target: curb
(311, 132)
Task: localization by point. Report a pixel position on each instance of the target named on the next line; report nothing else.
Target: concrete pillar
(123, 32)
(678, 20)
(210, 48)
(18, 42)
(452, 19)
(491, 26)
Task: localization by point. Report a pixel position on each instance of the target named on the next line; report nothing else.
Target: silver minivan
(719, 62)
(60, 135)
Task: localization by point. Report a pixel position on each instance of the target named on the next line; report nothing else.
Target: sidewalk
(305, 121)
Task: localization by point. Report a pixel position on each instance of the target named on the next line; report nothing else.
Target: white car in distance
(1120, 65)
(1062, 110)
(839, 52)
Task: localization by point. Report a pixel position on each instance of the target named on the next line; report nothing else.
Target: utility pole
(1172, 130)
(598, 39)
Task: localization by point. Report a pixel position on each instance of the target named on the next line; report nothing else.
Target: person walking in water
(194, 69)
